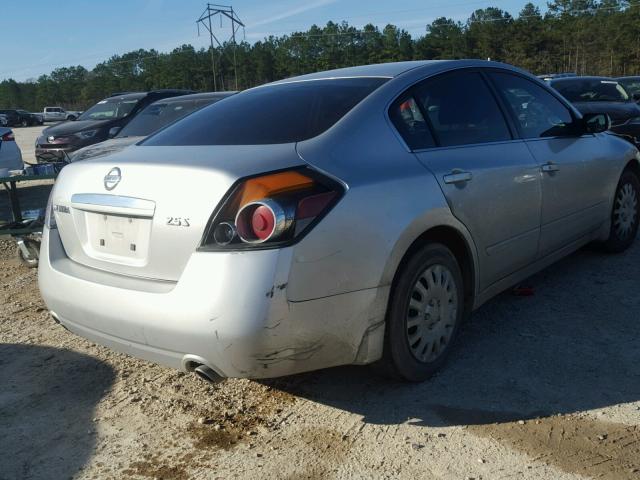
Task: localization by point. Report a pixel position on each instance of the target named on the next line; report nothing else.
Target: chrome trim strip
(116, 204)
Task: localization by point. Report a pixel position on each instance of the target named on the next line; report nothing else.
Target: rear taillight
(271, 210)
(49, 216)
(8, 137)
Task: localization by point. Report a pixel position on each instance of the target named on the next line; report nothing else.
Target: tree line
(588, 37)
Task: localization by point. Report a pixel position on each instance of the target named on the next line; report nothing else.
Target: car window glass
(632, 86)
(156, 116)
(407, 117)
(591, 90)
(537, 111)
(109, 109)
(462, 110)
(272, 114)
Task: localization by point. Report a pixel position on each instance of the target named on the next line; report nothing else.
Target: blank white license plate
(115, 236)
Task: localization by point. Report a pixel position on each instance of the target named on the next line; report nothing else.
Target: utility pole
(221, 11)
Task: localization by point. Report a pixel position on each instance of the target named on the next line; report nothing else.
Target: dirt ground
(539, 387)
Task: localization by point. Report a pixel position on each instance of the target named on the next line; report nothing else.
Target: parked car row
(20, 118)
(148, 120)
(101, 122)
(353, 216)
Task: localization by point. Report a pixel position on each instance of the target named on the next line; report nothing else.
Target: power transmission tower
(221, 12)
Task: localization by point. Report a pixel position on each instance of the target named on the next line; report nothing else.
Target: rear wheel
(425, 311)
(24, 123)
(625, 214)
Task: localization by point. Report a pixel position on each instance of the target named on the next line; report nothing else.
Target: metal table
(26, 233)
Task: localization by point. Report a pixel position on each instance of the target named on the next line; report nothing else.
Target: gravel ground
(545, 386)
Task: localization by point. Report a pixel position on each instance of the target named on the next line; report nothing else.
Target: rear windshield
(283, 113)
(157, 115)
(591, 90)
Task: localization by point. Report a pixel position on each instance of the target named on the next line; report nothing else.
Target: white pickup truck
(58, 114)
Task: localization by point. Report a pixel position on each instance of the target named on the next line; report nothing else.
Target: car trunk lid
(142, 212)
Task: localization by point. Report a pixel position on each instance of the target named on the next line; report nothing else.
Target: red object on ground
(521, 291)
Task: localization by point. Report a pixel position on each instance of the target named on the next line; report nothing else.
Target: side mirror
(596, 122)
(113, 131)
(636, 97)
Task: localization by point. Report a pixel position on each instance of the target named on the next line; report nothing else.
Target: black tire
(71, 118)
(24, 123)
(625, 214)
(400, 357)
(33, 246)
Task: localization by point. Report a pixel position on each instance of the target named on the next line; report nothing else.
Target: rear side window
(538, 113)
(462, 110)
(283, 113)
(408, 119)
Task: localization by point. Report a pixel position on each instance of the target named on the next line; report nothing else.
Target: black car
(20, 118)
(102, 121)
(150, 119)
(603, 95)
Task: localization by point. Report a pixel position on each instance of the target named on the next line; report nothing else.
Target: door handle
(458, 177)
(550, 167)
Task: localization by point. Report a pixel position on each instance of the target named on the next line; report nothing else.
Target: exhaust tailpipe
(207, 374)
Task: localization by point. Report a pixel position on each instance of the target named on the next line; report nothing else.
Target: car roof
(195, 96)
(585, 77)
(384, 70)
(630, 77)
(139, 95)
(395, 69)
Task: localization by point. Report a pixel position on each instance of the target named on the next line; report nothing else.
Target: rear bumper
(228, 311)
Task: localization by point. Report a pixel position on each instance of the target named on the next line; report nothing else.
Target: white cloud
(292, 12)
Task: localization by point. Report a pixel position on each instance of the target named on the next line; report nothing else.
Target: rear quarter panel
(391, 199)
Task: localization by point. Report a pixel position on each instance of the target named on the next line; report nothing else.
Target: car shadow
(570, 347)
(47, 402)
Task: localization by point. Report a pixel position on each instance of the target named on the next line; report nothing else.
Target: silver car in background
(343, 217)
(10, 154)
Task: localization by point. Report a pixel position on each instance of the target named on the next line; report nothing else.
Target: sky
(43, 35)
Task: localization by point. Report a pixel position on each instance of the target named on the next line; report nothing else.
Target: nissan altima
(353, 216)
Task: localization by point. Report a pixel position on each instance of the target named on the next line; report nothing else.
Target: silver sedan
(344, 217)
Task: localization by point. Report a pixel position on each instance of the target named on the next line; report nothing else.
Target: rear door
(572, 164)
(489, 177)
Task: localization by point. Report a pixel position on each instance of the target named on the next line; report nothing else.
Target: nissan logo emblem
(112, 178)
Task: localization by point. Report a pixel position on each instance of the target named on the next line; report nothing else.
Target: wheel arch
(634, 166)
(461, 245)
